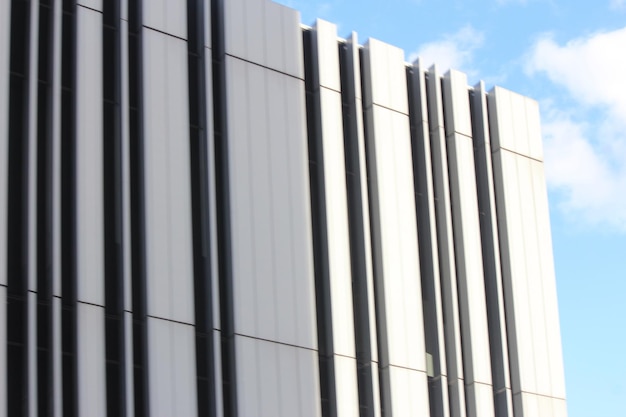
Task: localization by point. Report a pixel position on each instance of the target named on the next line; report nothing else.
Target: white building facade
(208, 209)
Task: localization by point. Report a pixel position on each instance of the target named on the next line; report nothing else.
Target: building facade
(208, 209)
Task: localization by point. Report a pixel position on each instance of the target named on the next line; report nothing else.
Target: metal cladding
(208, 209)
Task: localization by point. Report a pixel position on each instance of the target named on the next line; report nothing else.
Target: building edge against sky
(209, 209)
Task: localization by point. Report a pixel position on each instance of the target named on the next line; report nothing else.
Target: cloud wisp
(585, 144)
(453, 50)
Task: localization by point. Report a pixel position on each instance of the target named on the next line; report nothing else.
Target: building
(209, 209)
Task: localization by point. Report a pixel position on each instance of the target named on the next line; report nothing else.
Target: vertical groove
(137, 207)
(455, 230)
(379, 289)
(425, 243)
(224, 248)
(45, 171)
(68, 212)
(203, 297)
(358, 258)
(445, 249)
(490, 245)
(113, 222)
(17, 217)
(320, 230)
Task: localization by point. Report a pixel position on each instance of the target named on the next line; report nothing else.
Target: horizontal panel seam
(89, 8)
(515, 153)
(264, 66)
(164, 33)
(275, 342)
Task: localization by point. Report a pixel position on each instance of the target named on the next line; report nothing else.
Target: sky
(570, 56)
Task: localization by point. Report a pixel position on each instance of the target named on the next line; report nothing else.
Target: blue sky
(570, 55)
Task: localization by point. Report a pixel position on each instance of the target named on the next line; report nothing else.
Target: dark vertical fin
(319, 227)
(198, 134)
(113, 222)
(224, 244)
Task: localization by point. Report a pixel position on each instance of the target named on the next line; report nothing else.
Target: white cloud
(585, 145)
(618, 4)
(454, 50)
(591, 68)
(587, 176)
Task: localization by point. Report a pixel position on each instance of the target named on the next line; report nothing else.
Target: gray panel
(517, 123)
(528, 271)
(272, 254)
(338, 241)
(57, 358)
(91, 361)
(33, 79)
(218, 373)
(265, 33)
(207, 32)
(125, 122)
(346, 386)
(307, 383)
(89, 182)
(3, 349)
(92, 4)
(168, 16)
(129, 365)
(340, 272)
(300, 237)
(409, 392)
(325, 40)
(276, 379)
(441, 186)
(172, 368)
(167, 178)
(385, 76)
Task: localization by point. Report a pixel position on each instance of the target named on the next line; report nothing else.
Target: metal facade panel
(456, 102)
(409, 393)
(467, 239)
(91, 360)
(167, 179)
(265, 33)
(346, 386)
(3, 349)
(399, 252)
(516, 119)
(126, 209)
(427, 234)
(445, 241)
(89, 157)
(167, 16)
(528, 271)
(337, 224)
(385, 76)
(491, 254)
(92, 4)
(172, 368)
(276, 379)
(325, 39)
(272, 249)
